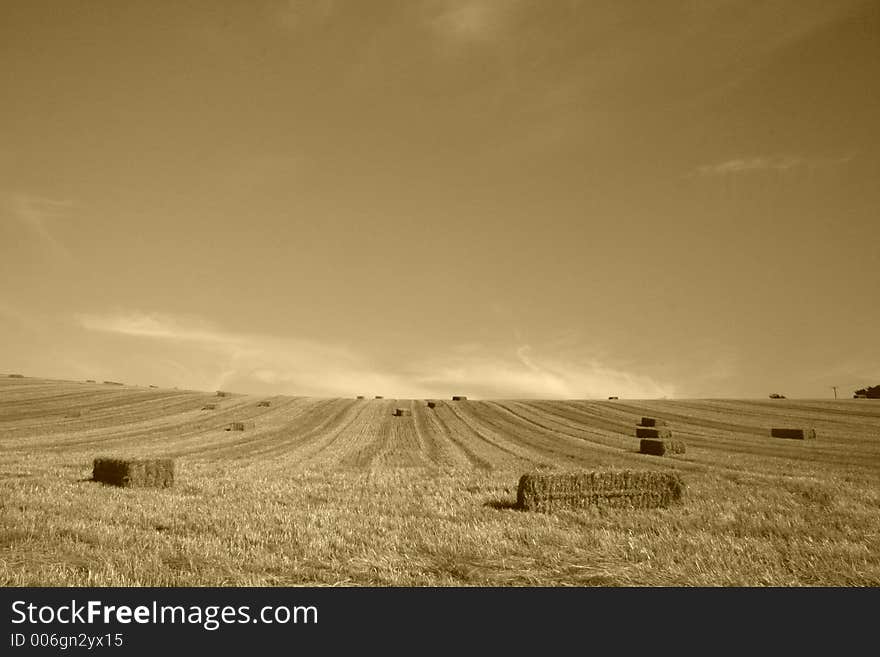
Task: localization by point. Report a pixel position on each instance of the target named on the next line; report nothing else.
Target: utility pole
(834, 388)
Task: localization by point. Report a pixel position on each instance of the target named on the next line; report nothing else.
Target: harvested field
(330, 491)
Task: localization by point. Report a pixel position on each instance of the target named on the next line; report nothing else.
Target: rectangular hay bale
(459, 398)
(432, 404)
(264, 403)
(240, 426)
(134, 473)
(360, 396)
(651, 422)
(209, 407)
(639, 489)
(659, 447)
(400, 412)
(647, 432)
(220, 393)
(16, 376)
(796, 434)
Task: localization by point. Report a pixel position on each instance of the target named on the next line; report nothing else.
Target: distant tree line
(871, 392)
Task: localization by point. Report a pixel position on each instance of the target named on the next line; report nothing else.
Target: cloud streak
(36, 215)
(252, 362)
(767, 163)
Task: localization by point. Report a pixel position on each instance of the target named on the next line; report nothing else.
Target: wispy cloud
(299, 366)
(764, 163)
(526, 374)
(468, 20)
(300, 14)
(37, 215)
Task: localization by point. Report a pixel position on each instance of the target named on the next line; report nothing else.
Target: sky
(495, 198)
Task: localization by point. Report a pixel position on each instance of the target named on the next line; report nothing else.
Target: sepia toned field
(340, 491)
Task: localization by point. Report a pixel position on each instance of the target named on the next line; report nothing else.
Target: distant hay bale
(658, 447)
(459, 398)
(612, 398)
(240, 426)
(90, 381)
(209, 407)
(639, 489)
(360, 396)
(134, 473)
(220, 393)
(776, 395)
(378, 397)
(646, 432)
(113, 383)
(651, 422)
(16, 376)
(264, 403)
(154, 386)
(432, 404)
(400, 412)
(795, 434)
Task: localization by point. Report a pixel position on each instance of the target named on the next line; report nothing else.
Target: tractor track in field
(459, 413)
(265, 443)
(466, 455)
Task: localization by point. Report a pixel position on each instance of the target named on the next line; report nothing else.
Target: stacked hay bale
(657, 440)
(360, 396)
(134, 473)
(612, 488)
(612, 398)
(378, 397)
(459, 398)
(264, 403)
(401, 412)
(793, 434)
(432, 404)
(16, 376)
(240, 426)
